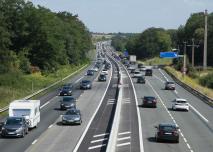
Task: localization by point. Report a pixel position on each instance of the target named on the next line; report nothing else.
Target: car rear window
(167, 128)
(149, 98)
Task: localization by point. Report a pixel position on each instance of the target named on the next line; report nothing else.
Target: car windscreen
(167, 128)
(181, 101)
(68, 99)
(21, 112)
(85, 81)
(72, 112)
(14, 121)
(170, 83)
(66, 88)
(149, 98)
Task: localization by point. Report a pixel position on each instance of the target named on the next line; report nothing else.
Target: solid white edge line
(206, 120)
(138, 114)
(116, 120)
(50, 126)
(168, 112)
(93, 116)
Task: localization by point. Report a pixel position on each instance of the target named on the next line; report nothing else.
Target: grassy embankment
(193, 82)
(16, 85)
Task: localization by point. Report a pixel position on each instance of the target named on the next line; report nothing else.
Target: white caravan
(30, 109)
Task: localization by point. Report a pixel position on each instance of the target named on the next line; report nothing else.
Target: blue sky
(129, 15)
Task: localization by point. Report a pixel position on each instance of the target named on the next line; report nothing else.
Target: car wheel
(23, 134)
(177, 141)
(27, 131)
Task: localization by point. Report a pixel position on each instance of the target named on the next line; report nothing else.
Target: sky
(129, 16)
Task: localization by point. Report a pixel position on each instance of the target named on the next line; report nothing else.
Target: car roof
(86, 81)
(180, 99)
(149, 97)
(167, 124)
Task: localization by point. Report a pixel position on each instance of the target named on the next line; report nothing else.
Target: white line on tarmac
(193, 108)
(98, 146)
(159, 79)
(95, 141)
(50, 126)
(206, 120)
(44, 104)
(123, 144)
(99, 135)
(34, 141)
(124, 133)
(93, 116)
(78, 80)
(123, 138)
(169, 114)
(138, 114)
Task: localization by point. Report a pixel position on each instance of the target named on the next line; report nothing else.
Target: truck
(29, 109)
(132, 59)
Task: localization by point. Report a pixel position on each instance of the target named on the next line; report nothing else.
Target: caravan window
(21, 112)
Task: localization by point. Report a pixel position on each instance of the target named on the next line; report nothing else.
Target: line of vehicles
(24, 115)
(164, 131)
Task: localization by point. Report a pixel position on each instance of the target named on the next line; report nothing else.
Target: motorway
(196, 132)
(136, 132)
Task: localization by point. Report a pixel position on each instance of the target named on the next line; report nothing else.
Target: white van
(30, 109)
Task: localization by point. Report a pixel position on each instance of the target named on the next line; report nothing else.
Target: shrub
(207, 80)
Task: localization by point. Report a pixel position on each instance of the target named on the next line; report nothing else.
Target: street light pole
(193, 50)
(184, 59)
(205, 43)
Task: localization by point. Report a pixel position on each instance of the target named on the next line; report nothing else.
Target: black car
(72, 116)
(90, 72)
(15, 127)
(66, 91)
(67, 103)
(102, 77)
(86, 84)
(148, 72)
(141, 79)
(168, 132)
(149, 101)
(140, 65)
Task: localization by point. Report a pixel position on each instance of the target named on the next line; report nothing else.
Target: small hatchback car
(169, 85)
(149, 101)
(15, 127)
(72, 116)
(168, 132)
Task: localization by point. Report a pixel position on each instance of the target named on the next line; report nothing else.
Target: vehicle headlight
(70, 91)
(19, 129)
(2, 128)
(77, 119)
(64, 118)
(88, 85)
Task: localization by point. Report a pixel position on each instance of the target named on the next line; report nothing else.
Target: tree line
(34, 37)
(152, 41)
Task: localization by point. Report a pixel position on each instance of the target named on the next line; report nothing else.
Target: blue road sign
(168, 54)
(126, 54)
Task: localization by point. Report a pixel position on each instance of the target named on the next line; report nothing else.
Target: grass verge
(15, 86)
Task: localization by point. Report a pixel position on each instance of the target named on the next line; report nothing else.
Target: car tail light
(155, 100)
(175, 133)
(161, 132)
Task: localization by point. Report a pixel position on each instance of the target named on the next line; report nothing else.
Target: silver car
(72, 116)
